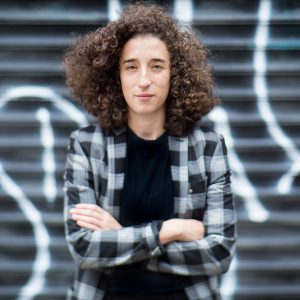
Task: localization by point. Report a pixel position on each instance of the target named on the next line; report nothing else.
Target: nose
(144, 79)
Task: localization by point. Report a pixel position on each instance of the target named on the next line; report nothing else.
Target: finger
(87, 219)
(85, 212)
(87, 225)
(93, 210)
(93, 207)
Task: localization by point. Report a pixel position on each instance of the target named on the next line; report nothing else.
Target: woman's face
(145, 75)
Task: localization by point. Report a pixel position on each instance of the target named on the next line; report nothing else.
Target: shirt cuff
(151, 235)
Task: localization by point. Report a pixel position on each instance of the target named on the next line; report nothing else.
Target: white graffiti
(28, 92)
(42, 239)
(263, 103)
(47, 141)
(114, 9)
(41, 262)
(183, 10)
(229, 281)
(241, 185)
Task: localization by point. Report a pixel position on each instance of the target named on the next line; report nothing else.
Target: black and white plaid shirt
(201, 178)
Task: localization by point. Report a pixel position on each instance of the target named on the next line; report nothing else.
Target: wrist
(169, 232)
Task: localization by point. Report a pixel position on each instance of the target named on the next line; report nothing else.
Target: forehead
(145, 47)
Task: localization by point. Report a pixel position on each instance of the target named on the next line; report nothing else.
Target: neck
(147, 128)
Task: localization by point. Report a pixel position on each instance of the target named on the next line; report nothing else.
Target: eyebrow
(153, 59)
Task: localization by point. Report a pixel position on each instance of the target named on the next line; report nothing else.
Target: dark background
(255, 49)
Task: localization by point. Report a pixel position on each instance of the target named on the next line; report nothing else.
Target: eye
(157, 67)
(131, 67)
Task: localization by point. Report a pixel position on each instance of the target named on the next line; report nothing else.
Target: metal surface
(255, 49)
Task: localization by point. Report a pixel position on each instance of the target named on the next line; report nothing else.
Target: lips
(144, 96)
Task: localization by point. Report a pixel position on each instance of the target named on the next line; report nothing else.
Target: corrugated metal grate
(256, 56)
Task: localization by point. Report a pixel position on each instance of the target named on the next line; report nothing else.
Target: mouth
(144, 96)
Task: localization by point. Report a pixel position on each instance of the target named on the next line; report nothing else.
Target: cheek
(127, 81)
(124, 85)
(165, 84)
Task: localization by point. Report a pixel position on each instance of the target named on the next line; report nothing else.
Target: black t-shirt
(147, 196)
(148, 189)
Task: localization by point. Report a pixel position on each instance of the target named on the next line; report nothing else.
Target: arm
(184, 230)
(103, 248)
(212, 254)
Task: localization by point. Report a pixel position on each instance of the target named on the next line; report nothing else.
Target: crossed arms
(182, 246)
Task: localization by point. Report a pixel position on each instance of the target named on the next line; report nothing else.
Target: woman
(148, 205)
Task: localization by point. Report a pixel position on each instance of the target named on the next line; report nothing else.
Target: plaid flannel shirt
(201, 178)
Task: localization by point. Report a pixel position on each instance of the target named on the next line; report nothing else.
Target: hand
(185, 230)
(93, 217)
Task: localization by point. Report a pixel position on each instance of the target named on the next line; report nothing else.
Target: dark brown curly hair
(92, 69)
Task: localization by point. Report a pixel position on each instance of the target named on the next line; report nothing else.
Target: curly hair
(92, 69)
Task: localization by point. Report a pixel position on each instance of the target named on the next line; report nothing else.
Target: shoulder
(204, 135)
(88, 140)
(90, 133)
(210, 146)
(207, 141)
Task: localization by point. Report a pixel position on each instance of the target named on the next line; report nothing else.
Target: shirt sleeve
(107, 248)
(211, 255)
